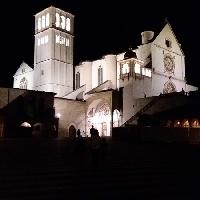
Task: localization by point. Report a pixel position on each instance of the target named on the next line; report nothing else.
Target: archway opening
(72, 131)
(100, 119)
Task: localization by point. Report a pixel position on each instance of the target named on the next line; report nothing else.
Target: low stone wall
(157, 134)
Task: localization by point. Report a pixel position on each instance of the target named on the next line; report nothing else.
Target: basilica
(107, 92)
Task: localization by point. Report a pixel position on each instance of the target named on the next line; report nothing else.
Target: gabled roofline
(167, 22)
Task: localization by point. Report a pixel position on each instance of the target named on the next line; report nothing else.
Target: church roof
(23, 66)
(167, 24)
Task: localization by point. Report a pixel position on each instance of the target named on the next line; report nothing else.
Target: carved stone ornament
(169, 64)
(169, 87)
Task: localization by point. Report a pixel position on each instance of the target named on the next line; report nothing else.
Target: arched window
(23, 83)
(47, 19)
(43, 21)
(116, 118)
(62, 23)
(57, 20)
(39, 23)
(100, 75)
(77, 80)
(125, 68)
(68, 24)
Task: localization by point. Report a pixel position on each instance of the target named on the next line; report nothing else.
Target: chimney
(147, 36)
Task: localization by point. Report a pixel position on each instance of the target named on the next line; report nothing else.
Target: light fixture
(58, 115)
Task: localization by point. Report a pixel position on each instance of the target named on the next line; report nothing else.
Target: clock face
(169, 64)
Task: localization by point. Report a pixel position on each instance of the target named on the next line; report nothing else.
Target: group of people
(97, 146)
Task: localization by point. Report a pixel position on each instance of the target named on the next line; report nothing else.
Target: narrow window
(68, 24)
(62, 40)
(143, 71)
(168, 43)
(77, 80)
(57, 39)
(125, 68)
(67, 42)
(137, 68)
(62, 22)
(57, 20)
(100, 75)
(39, 23)
(47, 19)
(43, 21)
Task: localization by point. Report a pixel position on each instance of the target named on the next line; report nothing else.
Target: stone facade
(155, 67)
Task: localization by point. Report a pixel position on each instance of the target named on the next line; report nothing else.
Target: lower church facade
(107, 92)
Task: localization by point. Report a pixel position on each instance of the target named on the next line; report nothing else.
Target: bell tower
(53, 52)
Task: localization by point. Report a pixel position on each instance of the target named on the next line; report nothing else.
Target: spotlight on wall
(58, 115)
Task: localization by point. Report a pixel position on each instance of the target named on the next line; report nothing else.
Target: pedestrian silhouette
(92, 131)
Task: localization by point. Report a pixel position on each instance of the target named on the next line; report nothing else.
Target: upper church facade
(155, 67)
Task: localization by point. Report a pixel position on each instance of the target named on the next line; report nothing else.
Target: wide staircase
(49, 169)
(134, 118)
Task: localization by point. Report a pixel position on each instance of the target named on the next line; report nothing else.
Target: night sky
(101, 27)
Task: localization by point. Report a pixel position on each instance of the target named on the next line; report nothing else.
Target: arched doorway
(72, 131)
(100, 119)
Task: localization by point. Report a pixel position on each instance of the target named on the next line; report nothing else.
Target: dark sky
(101, 27)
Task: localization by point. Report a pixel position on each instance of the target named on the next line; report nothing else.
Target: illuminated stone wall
(75, 113)
(53, 57)
(71, 112)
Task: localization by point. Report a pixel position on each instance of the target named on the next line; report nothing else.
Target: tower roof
(130, 54)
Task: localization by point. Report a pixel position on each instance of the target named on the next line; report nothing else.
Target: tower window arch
(68, 24)
(47, 19)
(77, 80)
(39, 23)
(100, 75)
(23, 83)
(57, 20)
(62, 23)
(125, 68)
(43, 21)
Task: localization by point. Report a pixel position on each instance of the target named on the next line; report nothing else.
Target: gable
(167, 37)
(23, 69)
